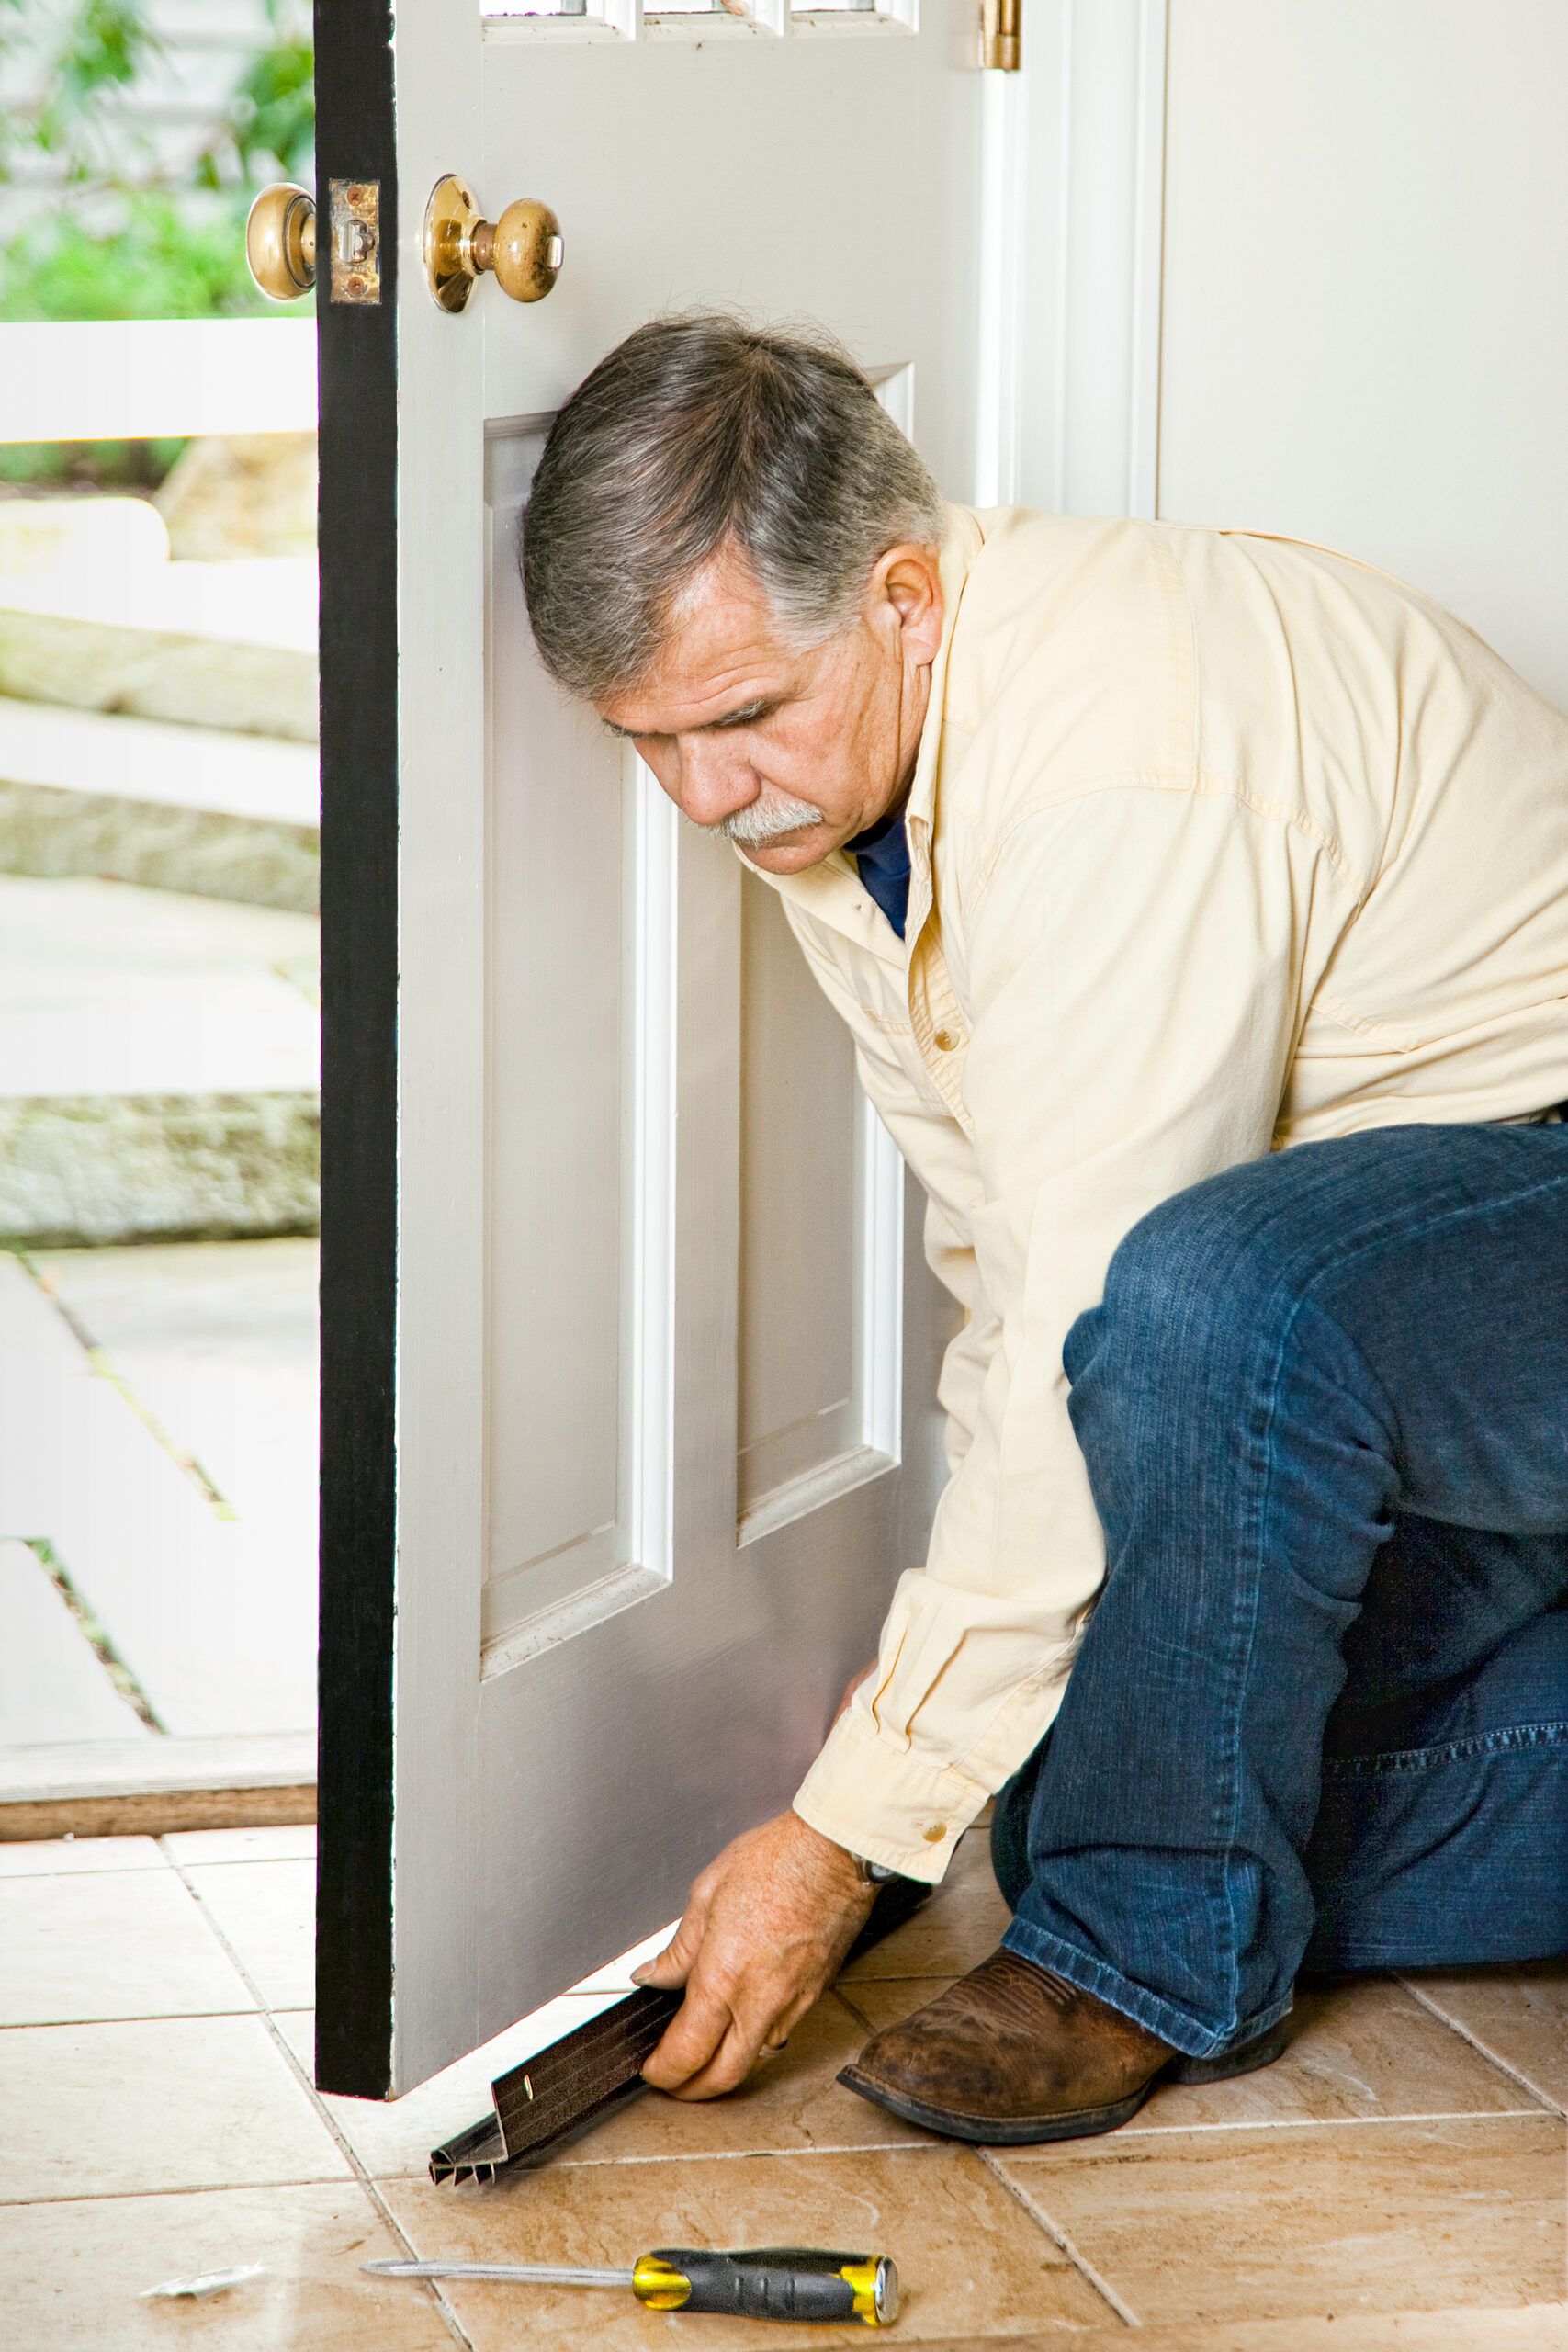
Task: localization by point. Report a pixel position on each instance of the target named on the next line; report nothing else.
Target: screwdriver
(764, 2282)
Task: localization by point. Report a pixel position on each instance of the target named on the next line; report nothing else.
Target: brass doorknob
(280, 241)
(524, 247)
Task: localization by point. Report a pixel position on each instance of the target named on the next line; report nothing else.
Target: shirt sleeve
(1134, 974)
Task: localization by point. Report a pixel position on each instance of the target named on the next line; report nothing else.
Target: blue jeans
(1320, 1712)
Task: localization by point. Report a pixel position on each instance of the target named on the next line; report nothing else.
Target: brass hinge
(999, 34)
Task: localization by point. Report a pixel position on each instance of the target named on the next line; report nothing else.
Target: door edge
(358, 638)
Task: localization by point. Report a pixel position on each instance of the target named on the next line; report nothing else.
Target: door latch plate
(355, 241)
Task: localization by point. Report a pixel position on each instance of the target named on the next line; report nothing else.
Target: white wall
(1365, 315)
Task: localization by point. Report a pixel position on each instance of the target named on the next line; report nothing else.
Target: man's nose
(714, 783)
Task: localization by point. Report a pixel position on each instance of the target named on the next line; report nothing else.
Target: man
(1198, 904)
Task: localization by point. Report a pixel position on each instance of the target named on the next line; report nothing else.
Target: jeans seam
(1119, 1993)
(1243, 1646)
(1515, 1739)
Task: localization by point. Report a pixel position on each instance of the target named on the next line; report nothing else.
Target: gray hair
(692, 432)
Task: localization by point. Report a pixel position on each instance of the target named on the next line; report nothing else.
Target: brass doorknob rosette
(523, 248)
(280, 241)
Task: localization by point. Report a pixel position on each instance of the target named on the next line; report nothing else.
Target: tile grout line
(123, 1870)
(154, 2017)
(1126, 2131)
(1059, 2238)
(926, 2147)
(1503, 2066)
(134, 2196)
(1330, 2122)
(836, 1992)
(350, 2155)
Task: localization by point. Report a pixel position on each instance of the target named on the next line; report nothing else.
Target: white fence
(145, 378)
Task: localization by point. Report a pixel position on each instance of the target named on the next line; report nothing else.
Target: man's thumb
(669, 1968)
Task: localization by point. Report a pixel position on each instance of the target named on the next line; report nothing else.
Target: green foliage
(88, 465)
(92, 46)
(83, 55)
(103, 44)
(152, 257)
(270, 127)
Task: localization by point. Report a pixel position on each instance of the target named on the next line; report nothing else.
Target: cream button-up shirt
(1219, 843)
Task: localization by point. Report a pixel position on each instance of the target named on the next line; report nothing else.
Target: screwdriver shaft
(541, 2274)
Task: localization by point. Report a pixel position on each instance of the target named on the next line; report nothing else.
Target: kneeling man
(1198, 901)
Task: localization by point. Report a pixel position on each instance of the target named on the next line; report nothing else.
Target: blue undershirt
(881, 859)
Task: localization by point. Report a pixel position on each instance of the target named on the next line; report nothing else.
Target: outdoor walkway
(158, 1492)
(1405, 2156)
(159, 1051)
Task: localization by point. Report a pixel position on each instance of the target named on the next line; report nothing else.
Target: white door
(629, 1358)
(1366, 294)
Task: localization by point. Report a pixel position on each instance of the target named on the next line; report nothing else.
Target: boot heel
(1242, 2060)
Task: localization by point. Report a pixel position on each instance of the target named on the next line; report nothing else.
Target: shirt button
(945, 1041)
(934, 1832)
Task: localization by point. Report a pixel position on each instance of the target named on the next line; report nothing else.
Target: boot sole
(1085, 2122)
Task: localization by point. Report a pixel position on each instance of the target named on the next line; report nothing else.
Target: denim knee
(1191, 1281)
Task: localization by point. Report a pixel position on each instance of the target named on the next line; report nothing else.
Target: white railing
(144, 379)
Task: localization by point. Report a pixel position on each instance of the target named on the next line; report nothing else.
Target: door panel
(799, 1325)
(659, 1431)
(557, 1183)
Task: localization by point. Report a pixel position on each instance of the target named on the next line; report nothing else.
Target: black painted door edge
(357, 512)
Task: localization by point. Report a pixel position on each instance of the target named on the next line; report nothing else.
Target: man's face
(788, 753)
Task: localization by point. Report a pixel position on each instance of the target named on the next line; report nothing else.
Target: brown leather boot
(1013, 2053)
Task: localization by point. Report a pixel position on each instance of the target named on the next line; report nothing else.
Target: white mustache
(763, 820)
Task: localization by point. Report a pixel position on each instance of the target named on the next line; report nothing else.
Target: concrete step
(159, 1060)
(231, 646)
(175, 808)
(155, 1788)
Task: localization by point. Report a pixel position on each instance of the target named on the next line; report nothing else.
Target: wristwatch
(872, 1873)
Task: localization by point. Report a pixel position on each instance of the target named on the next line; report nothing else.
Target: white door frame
(1074, 223)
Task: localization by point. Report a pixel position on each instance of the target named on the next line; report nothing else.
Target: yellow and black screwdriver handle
(769, 2282)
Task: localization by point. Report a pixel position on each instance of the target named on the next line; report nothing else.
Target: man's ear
(907, 582)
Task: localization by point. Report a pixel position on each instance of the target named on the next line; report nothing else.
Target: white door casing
(662, 1441)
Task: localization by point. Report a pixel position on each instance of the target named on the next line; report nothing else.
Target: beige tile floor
(1394, 2184)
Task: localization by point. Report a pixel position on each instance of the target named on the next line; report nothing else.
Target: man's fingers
(751, 2031)
(690, 2040)
(727, 2068)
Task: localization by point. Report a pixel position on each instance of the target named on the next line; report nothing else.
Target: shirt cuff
(879, 1801)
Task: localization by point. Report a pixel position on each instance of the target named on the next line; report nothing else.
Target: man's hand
(765, 1927)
